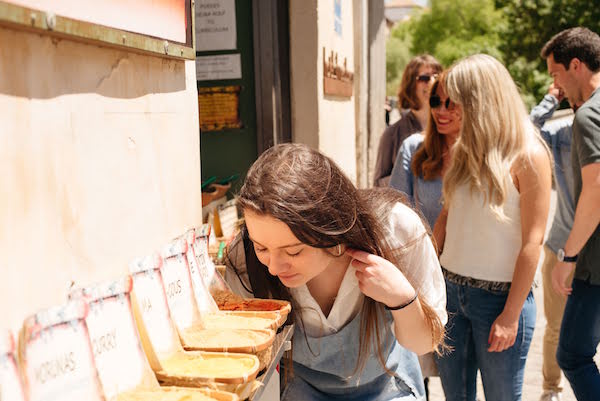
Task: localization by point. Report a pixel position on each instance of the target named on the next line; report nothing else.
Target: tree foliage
(530, 24)
(452, 29)
(514, 31)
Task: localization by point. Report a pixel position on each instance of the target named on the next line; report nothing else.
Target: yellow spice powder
(226, 321)
(219, 338)
(182, 364)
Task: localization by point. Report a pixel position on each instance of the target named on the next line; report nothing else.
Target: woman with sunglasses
(413, 98)
(423, 158)
(419, 167)
(496, 199)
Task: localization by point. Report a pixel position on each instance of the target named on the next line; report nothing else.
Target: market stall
(101, 143)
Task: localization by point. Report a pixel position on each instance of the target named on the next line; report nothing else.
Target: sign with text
(224, 66)
(178, 286)
(219, 108)
(152, 303)
(118, 353)
(59, 362)
(204, 300)
(215, 25)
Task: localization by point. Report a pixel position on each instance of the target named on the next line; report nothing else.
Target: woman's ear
(337, 250)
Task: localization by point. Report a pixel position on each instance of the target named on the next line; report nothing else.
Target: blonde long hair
(495, 130)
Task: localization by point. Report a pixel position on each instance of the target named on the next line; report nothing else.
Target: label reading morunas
(219, 108)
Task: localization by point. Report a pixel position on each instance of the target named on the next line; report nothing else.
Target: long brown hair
(308, 191)
(407, 97)
(428, 159)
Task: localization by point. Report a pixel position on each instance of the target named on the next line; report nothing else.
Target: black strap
(404, 305)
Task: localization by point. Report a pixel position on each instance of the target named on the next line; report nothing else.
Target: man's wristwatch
(560, 255)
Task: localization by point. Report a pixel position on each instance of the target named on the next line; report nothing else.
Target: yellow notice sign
(219, 108)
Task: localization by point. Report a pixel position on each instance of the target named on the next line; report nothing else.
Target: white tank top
(478, 244)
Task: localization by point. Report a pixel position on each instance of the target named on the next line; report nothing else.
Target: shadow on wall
(42, 67)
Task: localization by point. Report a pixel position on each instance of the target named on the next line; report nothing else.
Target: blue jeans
(579, 337)
(472, 311)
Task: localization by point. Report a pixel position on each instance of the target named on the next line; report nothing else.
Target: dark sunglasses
(435, 101)
(426, 78)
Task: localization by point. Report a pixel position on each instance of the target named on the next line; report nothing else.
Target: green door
(230, 151)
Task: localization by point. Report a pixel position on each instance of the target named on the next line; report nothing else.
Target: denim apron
(323, 367)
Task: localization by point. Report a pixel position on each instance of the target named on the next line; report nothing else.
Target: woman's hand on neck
(325, 287)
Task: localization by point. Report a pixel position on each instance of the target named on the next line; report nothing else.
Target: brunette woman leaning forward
(358, 267)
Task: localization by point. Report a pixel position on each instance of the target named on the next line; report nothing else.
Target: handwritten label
(206, 268)
(180, 296)
(117, 350)
(60, 365)
(199, 275)
(213, 280)
(55, 368)
(149, 290)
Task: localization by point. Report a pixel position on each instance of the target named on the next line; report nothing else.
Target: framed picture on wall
(159, 27)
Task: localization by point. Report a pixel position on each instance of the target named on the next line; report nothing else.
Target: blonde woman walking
(491, 230)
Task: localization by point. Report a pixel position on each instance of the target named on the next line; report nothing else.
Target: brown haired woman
(413, 97)
(359, 269)
(423, 159)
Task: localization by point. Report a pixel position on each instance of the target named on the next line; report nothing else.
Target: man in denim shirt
(573, 60)
(557, 135)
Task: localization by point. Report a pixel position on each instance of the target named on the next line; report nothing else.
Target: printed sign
(219, 108)
(224, 66)
(215, 25)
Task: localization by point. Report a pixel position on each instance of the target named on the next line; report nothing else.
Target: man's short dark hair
(573, 43)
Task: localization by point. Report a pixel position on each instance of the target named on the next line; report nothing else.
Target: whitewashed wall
(99, 163)
(322, 121)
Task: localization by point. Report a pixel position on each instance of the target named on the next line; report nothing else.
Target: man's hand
(560, 275)
(557, 92)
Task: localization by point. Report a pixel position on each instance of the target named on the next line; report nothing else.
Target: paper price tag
(120, 360)
(60, 365)
(180, 296)
(153, 307)
(212, 278)
(207, 268)
(204, 300)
